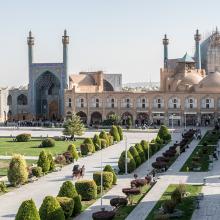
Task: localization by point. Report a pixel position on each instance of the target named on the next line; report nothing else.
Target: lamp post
(126, 155)
(148, 151)
(102, 209)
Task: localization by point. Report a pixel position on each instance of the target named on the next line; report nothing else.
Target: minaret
(65, 40)
(30, 42)
(197, 38)
(165, 45)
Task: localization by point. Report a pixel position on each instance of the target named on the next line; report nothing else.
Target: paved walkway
(50, 184)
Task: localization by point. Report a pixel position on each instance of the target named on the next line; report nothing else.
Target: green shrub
(110, 139)
(135, 155)
(153, 146)
(48, 142)
(159, 140)
(114, 133)
(103, 135)
(77, 205)
(87, 189)
(97, 142)
(164, 133)
(107, 178)
(67, 205)
(51, 162)
(23, 137)
(140, 152)
(51, 209)
(43, 162)
(3, 187)
(37, 171)
(72, 149)
(27, 211)
(89, 141)
(103, 143)
(146, 148)
(169, 206)
(17, 172)
(109, 169)
(67, 190)
(131, 164)
(120, 132)
(86, 148)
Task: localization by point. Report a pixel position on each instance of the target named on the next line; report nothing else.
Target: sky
(116, 36)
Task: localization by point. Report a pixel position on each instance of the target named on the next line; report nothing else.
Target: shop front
(207, 118)
(190, 118)
(158, 118)
(174, 119)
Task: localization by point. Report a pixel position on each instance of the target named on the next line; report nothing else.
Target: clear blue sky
(122, 36)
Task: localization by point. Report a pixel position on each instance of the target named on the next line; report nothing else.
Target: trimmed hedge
(48, 142)
(120, 132)
(87, 189)
(23, 137)
(103, 143)
(51, 209)
(27, 211)
(37, 171)
(110, 139)
(17, 172)
(145, 146)
(86, 148)
(67, 205)
(43, 161)
(114, 133)
(67, 190)
(72, 149)
(89, 141)
(135, 155)
(103, 135)
(131, 164)
(109, 169)
(140, 152)
(97, 142)
(164, 133)
(107, 178)
(77, 205)
(51, 162)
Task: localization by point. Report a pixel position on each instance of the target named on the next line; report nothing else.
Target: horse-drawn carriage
(78, 172)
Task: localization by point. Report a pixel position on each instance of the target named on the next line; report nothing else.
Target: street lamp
(148, 151)
(102, 208)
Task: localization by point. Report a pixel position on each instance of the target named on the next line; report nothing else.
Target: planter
(139, 182)
(119, 201)
(103, 215)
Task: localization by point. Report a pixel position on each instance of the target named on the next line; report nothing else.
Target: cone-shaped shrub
(51, 209)
(153, 146)
(114, 133)
(140, 152)
(89, 141)
(87, 189)
(51, 161)
(37, 171)
(107, 178)
(145, 146)
(43, 161)
(131, 163)
(159, 140)
(97, 142)
(110, 139)
(103, 135)
(67, 205)
(17, 172)
(86, 148)
(72, 149)
(109, 169)
(103, 143)
(135, 155)
(120, 132)
(164, 133)
(27, 211)
(67, 190)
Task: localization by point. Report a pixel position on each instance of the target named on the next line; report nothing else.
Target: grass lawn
(123, 212)
(187, 205)
(5, 163)
(200, 158)
(9, 147)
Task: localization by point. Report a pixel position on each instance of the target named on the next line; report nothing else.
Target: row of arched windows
(21, 100)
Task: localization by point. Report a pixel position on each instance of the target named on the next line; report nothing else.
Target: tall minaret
(30, 42)
(165, 45)
(65, 40)
(197, 38)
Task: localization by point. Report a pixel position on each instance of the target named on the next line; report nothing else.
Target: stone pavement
(50, 184)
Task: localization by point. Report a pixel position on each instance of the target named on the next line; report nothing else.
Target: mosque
(189, 91)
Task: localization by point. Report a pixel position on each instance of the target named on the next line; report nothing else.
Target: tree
(114, 133)
(72, 149)
(51, 161)
(43, 161)
(164, 133)
(128, 122)
(115, 119)
(74, 126)
(27, 211)
(97, 142)
(17, 172)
